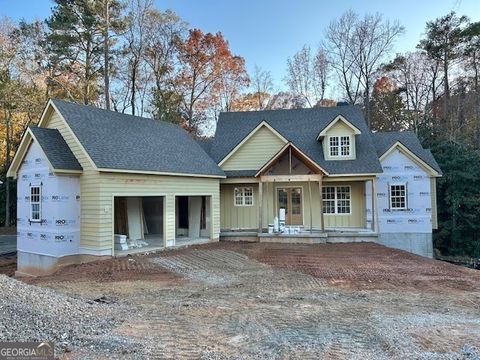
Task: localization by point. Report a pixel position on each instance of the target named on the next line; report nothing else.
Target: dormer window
(340, 146)
(338, 139)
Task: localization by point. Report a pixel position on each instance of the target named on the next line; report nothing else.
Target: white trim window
(340, 146)
(336, 200)
(243, 196)
(35, 203)
(398, 196)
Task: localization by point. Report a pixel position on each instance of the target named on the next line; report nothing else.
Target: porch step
(237, 236)
(318, 238)
(301, 238)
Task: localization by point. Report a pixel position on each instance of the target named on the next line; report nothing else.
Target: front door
(290, 199)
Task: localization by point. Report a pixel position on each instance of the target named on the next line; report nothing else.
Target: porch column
(374, 206)
(260, 206)
(322, 223)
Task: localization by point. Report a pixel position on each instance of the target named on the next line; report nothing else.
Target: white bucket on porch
(270, 228)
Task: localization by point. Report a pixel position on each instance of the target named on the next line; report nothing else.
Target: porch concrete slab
(351, 237)
(293, 239)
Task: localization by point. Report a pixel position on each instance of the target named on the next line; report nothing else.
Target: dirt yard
(250, 301)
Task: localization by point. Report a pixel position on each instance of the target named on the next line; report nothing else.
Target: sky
(267, 32)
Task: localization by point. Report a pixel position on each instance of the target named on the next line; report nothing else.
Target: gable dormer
(339, 139)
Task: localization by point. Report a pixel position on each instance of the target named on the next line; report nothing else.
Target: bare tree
(135, 46)
(307, 74)
(374, 38)
(320, 72)
(262, 84)
(358, 46)
(340, 36)
(414, 77)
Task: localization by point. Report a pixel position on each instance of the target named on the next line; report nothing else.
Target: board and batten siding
(356, 218)
(238, 217)
(255, 152)
(246, 217)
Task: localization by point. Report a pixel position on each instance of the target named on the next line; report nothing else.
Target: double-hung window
(243, 196)
(339, 146)
(336, 199)
(35, 203)
(398, 196)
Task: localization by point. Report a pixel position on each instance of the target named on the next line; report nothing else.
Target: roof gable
(335, 121)
(125, 143)
(300, 126)
(408, 141)
(408, 153)
(293, 151)
(263, 133)
(59, 156)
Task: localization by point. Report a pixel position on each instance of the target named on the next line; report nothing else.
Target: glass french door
(290, 199)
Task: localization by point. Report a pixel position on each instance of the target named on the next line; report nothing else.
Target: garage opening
(139, 224)
(192, 219)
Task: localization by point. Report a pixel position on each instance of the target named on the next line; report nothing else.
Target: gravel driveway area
(251, 301)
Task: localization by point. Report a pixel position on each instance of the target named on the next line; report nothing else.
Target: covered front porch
(292, 199)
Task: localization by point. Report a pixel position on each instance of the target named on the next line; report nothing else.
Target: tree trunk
(477, 101)
(86, 85)
(446, 100)
(106, 50)
(134, 85)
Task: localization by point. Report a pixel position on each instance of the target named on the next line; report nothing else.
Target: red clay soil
(11, 230)
(360, 265)
(365, 265)
(110, 270)
(8, 265)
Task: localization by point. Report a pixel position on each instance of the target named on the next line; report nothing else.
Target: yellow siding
(339, 129)
(255, 152)
(357, 203)
(246, 217)
(114, 184)
(97, 191)
(238, 217)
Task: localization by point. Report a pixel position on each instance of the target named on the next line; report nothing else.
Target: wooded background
(131, 57)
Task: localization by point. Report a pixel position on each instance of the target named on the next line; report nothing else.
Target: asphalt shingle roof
(56, 149)
(125, 142)
(301, 127)
(384, 141)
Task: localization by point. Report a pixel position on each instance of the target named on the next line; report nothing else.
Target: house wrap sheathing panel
(58, 232)
(409, 229)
